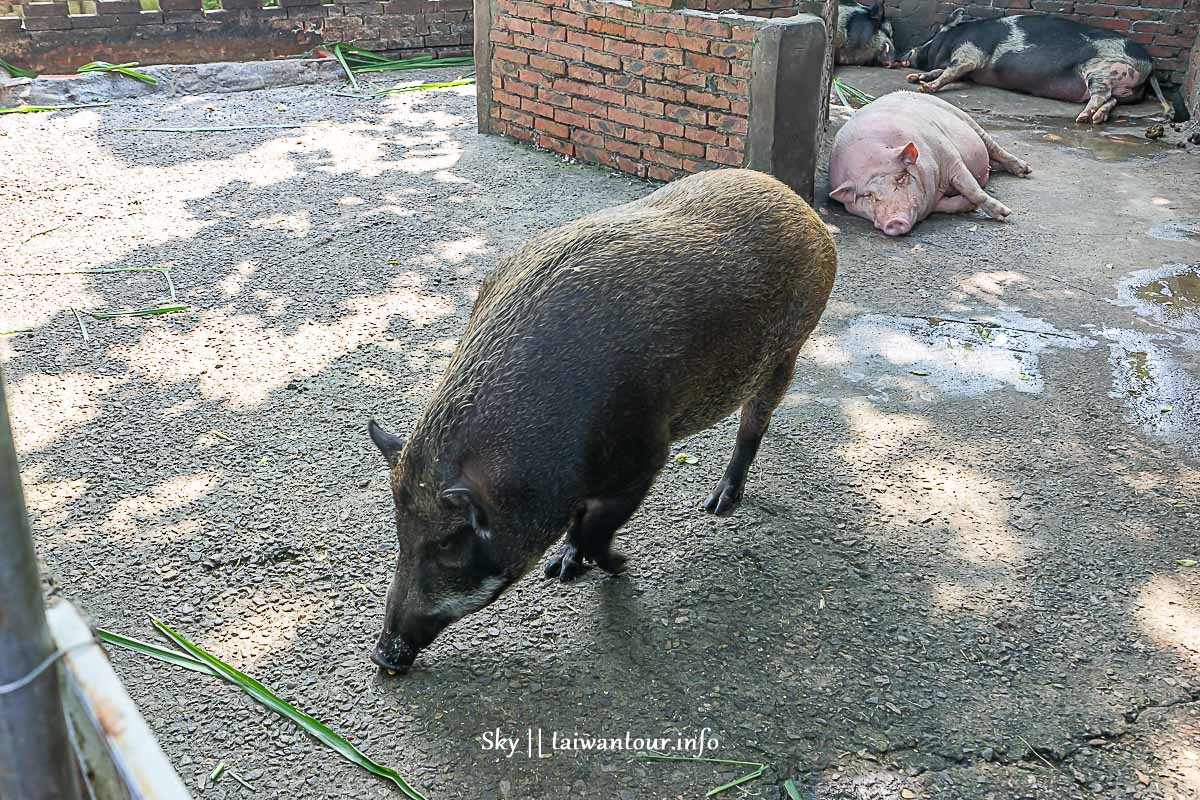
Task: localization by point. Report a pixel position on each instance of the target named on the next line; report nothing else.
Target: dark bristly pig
(1041, 55)
(587, 353)
(864, 35)
(908, 155)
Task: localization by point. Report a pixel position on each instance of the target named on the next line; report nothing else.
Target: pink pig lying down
(907, 155)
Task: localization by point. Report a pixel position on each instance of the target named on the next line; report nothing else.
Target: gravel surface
(957, 572)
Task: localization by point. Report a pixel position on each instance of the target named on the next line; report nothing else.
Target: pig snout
(394, 655)
(896, 226)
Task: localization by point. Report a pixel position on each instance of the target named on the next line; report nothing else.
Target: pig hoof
(927, 88)
(1021, 169)
(998, 211)
(913, 77)
(566, 565)
(724, 499)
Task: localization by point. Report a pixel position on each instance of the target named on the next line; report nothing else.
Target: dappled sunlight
(62, 402)
(245, 369)
(1168, 611)
(876, 436)
(298, 224)
(258, 626)
(128, 515)
(989, 287)
(51, 500)
(235, 281)
(1174, 767)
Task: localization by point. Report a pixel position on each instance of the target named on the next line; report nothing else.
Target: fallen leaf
(686, 458)
(1185, 562)
(1142, 777)
(907, 794)
(1165, 409)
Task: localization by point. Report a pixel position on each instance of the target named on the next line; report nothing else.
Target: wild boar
(587, 353)
(907, 155)
(1041, 55)
(864, 35)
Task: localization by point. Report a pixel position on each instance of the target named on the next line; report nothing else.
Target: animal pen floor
(962, 568)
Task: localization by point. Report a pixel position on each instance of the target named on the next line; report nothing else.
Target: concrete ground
(965, 567)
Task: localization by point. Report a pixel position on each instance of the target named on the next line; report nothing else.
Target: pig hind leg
(1102, 100)
(997, 154)
(969, 188)
(755, 417)
(589, 538)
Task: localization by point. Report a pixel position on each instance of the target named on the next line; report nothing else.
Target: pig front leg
(956, 204)
(969, 188)
(591, 533)
(934, 82)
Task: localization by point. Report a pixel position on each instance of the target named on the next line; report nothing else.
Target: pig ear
(388, 444)
(462, 497)
(909, 153)
(844, 193)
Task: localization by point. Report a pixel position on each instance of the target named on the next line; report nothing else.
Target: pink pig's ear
(909, 154)
(844, 193)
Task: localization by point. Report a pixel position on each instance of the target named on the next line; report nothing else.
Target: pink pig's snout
(896, 226)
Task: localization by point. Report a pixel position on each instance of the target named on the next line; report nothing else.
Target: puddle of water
(1169, 294)
(929, 357)
(1177, 230)
(1159, 393)
(1101, 142)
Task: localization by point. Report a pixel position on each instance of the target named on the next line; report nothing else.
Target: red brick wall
(1167, 28)
(652, 93)
(754, 8)
(48, 40)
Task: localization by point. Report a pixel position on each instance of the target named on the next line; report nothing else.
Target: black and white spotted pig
(1040, 55)
(864, 35)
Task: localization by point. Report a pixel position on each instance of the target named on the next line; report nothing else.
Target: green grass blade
(154, 651)
(154, 311)
(749, 776)
(789, 786)
(124, 69)
(424, 86)
(15, 71)
(313, 727)
(34, 109)
(337, 53)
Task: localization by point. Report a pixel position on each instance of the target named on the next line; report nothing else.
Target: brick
(620, 48)
(744, 33)
(570, 87)
(650, 71)
(582, 73)
(1162, 3)
(660, 19)
(624, 148)
(587, 138)
(506, 99)
(540, 109)
(499, 37)
(731, 85)
(607, 128)
(730, 50)
(529, 42)
(664, 158)
(532, 11)
(603, 95)
(711, 64)
(699, 98)
(1095, 10)
(708, 27)
(705, 136)
(557, 145)
(663, 55)
(646, 106)
(737, 143)
(519, 117)
(551, 127)
(1056, 6)
(606, 60)
(551, 66)
(728, 123)
(585, 40)
(515, 24)
(521, 89)
(623, 117)
(568, 51)
(739, 107)
(568, 19)
(664, 126)
(62, 23)
(691, 116)
(683, 147)
(665, 92)
(1154, 27)
(632, 167)
(589, 107)
(595, 156)
(571, 118)
(653, 37)
(660, 174)
(554, 98)
(507, 54)
(1110, 24)
(606, 27)
(551, 32)
(697, 44)
(643, 137)
(33, 10)
(722, 155)
(688, 77)
(118, 7)
(1174, 41)
(1021, 4)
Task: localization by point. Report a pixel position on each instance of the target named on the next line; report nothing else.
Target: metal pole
(36, 762)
